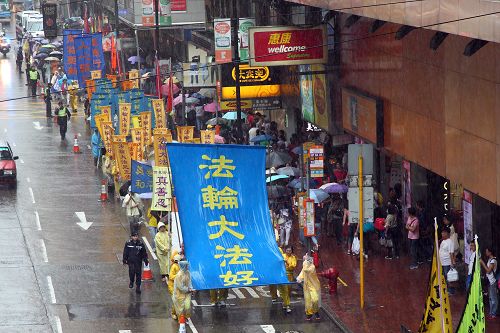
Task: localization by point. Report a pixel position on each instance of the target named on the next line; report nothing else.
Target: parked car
(8, 170)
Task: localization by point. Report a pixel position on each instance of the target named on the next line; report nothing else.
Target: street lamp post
(236, 62)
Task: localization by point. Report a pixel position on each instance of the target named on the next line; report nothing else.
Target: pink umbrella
(178, 99)
(164, 89)
(212, 107)
(219, 139)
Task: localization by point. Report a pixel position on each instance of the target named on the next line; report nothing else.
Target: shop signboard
(178, 5)
(468, 233)
(280, 46)
(165, 15)
(255, 82)
(222, 37)
(197, 75)
(231, 105)
(314, 94)
(267, 104)
(148, 17)
(49, 12)
(244, 25)
(306, 94)
(309, 212)
(316, 161)
(363, 116)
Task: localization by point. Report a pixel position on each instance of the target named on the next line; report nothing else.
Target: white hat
(161, 224)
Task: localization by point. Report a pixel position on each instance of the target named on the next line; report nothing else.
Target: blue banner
(142, 177)
(97, 101)
(69, 54)
(83, 47)
(97, 53)
(136, 97)
(226, 226)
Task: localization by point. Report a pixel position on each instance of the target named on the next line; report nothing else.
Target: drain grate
(77, 267)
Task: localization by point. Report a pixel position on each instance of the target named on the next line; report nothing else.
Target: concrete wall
(441, 108)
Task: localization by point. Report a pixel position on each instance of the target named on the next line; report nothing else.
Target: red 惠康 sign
(278, 46)
(178, 5)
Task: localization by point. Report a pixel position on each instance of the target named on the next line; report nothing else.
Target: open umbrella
(174, 80)
(56, 54)
(289, 171)
(41, 55)
(211, 107)
(271, 171)
(276, 191)
(165, 90)
(208, 92)
(275, 177)
(277, 158)
(50, 46)
(134, 59)
(297, 150)
(217, 121)
(219, 139)
(260, 138)
(44, 41)
(192, 100)
(297, 183)
(52, 59)
(44, 49)
(318, 195)
(334, 188)
(233, 115)
(178, 99)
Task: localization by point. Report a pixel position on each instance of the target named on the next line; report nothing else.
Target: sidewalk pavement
(394, 294)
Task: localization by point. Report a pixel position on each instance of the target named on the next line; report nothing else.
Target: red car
(8, 171)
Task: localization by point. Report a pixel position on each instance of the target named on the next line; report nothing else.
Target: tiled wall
(441, 108)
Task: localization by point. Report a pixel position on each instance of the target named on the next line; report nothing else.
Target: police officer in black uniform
(134, 253)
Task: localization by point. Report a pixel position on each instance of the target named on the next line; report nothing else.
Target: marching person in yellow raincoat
(73, 97)
(174, 269)
(183, 287)
(285, 289)
(162, 242)
(312, 288)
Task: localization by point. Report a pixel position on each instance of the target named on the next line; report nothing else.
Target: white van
(34, 25)
(21, 19)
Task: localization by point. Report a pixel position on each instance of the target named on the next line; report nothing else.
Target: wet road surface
(57, 277)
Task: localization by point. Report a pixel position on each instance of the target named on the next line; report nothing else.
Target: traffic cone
(76, 148)
(147, 275)
(104, 191)
(182, 324)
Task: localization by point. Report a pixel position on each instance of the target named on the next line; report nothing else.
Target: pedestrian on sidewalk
(48, 101)
(335, 216)
(447, 221)
(312, 288)
(63, 115)
(285, 289)
(390, 226)
(285, 225)
(413, 236)
(447, 256)
(491, 268)
(472, 247)
(134, 253)
(34, 76)
(174, 269)
(19, 60)
(163, 245)
(183, 288)
(133, 205)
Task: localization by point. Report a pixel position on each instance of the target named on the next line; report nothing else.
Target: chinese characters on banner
(230, 240)
(161, 137)
(138, 137)
(124, 116)
(162, 189)
(145, 122)
(106, 110)
(107, 137)
(133, 147)
(99, 119)
(69, 54)
(122, 155)
(185, 133)
(316, 161)
(160, 116)
(207, 136)
(133, 76)
(94, 75)
(142, 178)
(222, 32)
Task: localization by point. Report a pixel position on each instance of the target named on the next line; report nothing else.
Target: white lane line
(28, 180)
(149, 248)
(124, 331)
(44, 251)
(79, 134)
(51, 290)
(22, 161)
(37, 219)
(268, 328)
(58, 324)
(32, 195)
(191, 326)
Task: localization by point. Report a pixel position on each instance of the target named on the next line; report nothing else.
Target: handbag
(452, 275)
(355, 245)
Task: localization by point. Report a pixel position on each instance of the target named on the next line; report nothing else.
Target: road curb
(331, 314)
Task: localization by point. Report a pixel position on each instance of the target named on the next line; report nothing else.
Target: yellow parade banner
(437, 315)
(207, 136)
(123, 160)
(107, 137)
(119, 138)
(95, 74)
(146, 124)
(160, 116)
(113, 79)
(134, 148)
(138, 137)
(136, 121)
(162, 189)
(99, 119)
(133, 76)
(106, 109)
(185, 133)
(160, 141)
(124, 116)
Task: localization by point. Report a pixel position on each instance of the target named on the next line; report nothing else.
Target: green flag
(473, 316)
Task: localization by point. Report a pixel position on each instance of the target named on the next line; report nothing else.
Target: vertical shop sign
(316, 161)
(178, 5)
(309, 230)
(222, 36)
(148, 18)
(468, 233)
(244, 25)
(306, 94)
(320, 96)
(165, 13)
(49, 12)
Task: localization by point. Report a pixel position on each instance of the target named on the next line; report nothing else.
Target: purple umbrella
(334, 188)
(211, 107)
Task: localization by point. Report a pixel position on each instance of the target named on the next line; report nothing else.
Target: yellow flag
(160, 116)
(136, 121)
(437, 315)
(99, 119)
(185, 133)
(162, 189)
(207, 136)
(107, 137)
(146, 124)
(133, 75)
(160, 140)
(123, 159)
(106, 109)
(138, 137)
(124, 116)
(95, 74)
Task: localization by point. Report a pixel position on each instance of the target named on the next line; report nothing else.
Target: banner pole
(439, 278)
(361, 266)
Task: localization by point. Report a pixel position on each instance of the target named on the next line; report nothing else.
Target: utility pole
(157, 27)
(117, 22)
(236, 61)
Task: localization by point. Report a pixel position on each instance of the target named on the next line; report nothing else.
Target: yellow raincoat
(312, 287)
(290, 264)
(181, 297)
(162, 241)
(73, 98)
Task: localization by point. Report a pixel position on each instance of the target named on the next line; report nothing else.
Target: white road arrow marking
(83, 220)
(37, 125)
(268, 328)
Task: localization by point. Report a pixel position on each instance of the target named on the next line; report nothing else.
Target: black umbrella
(41, 55)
